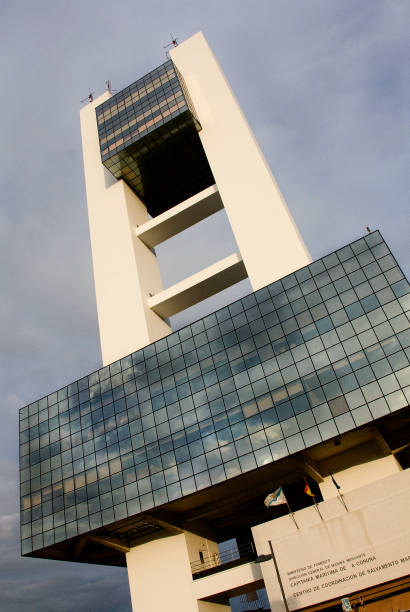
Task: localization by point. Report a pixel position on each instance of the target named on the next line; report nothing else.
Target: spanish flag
(307, 489)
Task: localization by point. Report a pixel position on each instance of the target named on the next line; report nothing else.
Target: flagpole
(343, 501)
(338, 492)
(317, 507)
(278, 575)
(291, 514)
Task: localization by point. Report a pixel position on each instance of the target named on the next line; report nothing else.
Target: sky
(325, 88)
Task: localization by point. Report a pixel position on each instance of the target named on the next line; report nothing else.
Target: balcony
(217, 562)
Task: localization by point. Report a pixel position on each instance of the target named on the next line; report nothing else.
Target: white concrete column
(125, 270)
(160, 577)
(268, 239)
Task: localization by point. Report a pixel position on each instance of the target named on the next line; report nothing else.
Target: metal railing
(208, 564)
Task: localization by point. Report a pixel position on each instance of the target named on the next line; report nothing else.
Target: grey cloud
(34, 584)
(8, 524)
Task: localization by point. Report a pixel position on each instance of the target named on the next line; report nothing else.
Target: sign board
(346, 552)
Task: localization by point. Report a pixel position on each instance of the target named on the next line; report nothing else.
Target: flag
(307, 489)
(338, 487)
(276, 498)
(334, 482)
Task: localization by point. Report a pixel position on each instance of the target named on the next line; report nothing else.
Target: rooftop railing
(219, 561)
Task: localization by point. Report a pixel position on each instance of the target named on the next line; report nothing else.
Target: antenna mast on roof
(173, 43)
(109, 87)
(89, 98)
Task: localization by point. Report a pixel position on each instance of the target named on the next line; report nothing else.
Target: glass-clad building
(148, 125)
(320, 352)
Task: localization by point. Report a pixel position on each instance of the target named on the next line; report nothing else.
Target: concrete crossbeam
(180, 217)
(199, 286)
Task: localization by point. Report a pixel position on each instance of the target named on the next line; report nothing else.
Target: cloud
(36, 584)
(8, 524)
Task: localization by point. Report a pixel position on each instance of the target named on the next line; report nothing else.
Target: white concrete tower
(231, 173)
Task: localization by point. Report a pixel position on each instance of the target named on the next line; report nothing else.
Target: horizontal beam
(311, 468)
(199, 286)
(180, 217)
(236, 581)
(166, 520)
(115, 544)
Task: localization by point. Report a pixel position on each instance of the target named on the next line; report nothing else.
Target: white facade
(132, 306)
(347, 551)
(268, 239)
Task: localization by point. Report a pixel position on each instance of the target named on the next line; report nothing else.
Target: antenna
(173, 43)
(89, 98)
(109, 88)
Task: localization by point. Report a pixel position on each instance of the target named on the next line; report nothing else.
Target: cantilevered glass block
(148, 136)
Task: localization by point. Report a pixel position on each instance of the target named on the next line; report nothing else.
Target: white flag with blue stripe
(275, 498)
